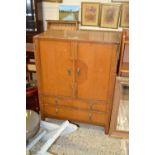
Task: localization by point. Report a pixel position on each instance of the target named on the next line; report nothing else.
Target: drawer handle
(69, 71)
(56, 102)
(78, 71)
(91, 106)
(56, 110)
(90, 116)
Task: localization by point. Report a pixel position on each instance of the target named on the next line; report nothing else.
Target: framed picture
(69, 12)
(120, 0)
(125, 15)
(110, 15)
(90, 13)
(119, 125)
(57, 1)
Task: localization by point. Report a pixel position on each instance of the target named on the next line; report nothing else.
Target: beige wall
(51, 12)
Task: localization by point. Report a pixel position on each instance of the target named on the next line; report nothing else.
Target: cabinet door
(56, 67)
(93, 70)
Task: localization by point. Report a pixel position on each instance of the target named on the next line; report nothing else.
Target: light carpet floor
(88, 140)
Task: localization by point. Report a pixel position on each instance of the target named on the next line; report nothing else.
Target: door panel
(93, 70)
(56, 67)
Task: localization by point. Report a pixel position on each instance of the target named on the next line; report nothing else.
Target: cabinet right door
(93, 69)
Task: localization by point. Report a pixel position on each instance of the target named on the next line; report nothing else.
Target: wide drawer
(74, 114)
(76, 103)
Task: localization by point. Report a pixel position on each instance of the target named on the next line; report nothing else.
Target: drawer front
(72, 103)
(75, 103)
(66, 113)
(50, 100)
(74, 114)
(98, 118)
(99, 106)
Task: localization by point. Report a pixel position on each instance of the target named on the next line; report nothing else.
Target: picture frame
(109, 16)
(90, 13)
(119, 125)
(124, 22)
(69, 12)
(118, 1)
(56, 1)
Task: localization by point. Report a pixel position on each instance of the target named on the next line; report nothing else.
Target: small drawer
(98, 118)
(71, 103)
(50, 100)
(102, 106)
(49, 110)
(74, 103)
(66, 113)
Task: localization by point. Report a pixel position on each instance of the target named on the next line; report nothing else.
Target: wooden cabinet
(76, 73)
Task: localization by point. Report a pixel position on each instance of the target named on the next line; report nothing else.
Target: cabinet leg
(106, 129)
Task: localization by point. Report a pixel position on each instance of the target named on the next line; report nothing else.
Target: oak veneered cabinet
(76, 73)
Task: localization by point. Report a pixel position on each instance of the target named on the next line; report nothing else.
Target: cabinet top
(91, 36)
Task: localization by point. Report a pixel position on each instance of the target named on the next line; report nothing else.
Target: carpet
(88, 140)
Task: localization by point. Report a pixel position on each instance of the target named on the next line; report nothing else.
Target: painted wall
(51, 12)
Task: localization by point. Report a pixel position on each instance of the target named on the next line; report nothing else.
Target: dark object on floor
(32, 101)
(74, 124)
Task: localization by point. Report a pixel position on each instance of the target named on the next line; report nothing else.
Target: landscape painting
(69, 12)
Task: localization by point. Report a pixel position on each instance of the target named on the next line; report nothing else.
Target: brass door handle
(78, 71)
(56, 102)
(56, 110)
(90, 116)
(69, 71)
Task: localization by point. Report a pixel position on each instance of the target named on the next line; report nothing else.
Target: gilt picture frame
(109, 16)
(54, 1)
(117, 1)
(124, 22)
(90, 13)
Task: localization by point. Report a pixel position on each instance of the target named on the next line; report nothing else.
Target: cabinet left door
(56, 67)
